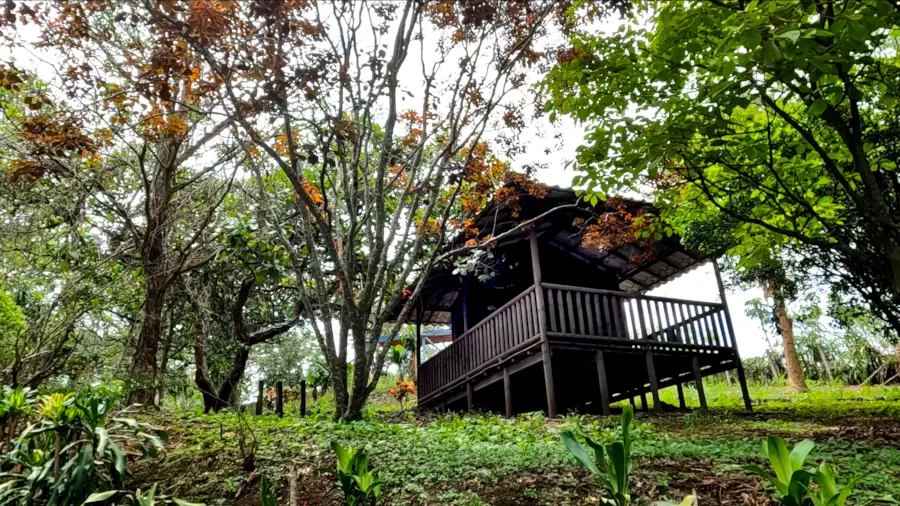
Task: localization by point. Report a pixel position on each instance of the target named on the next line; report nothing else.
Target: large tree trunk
(773, 365)
(796, 380)
(825, 363)
(143, 365)
(159, 274)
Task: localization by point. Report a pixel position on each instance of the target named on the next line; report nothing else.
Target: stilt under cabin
(558, 325)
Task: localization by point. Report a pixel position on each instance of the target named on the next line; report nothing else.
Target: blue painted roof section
(425, 333)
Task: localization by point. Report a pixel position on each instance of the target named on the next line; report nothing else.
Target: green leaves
(818, 107)
(611, 465)
(792, 481)
(358, 482)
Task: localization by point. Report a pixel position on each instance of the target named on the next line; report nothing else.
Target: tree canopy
(780, 115)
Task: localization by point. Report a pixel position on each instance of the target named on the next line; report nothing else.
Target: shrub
(74, 452)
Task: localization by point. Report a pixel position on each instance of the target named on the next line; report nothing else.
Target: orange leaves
(54, 137)
(48, 137)
(161, 125)
(617, 226)
(210, 19)
(410, 116)
(313, 191)
(403, 390)
(281, 143)
(412, 138)
(442, 13)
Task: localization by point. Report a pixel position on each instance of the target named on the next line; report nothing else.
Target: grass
(485, 459)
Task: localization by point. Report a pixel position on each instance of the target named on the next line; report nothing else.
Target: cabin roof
(634, 274)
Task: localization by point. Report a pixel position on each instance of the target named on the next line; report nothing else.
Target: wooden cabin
(562, 327)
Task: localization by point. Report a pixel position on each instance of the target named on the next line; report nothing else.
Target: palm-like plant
(356, 479)
(611, 465)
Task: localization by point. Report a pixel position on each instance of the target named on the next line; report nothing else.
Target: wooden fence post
(279, 398)
(259, 398)
(302, 397)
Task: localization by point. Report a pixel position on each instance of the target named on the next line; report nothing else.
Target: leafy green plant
(358, 482)
(75, 452)
(15, 404)
(268, 495)
(792, 481)
(829, 493)
(137, 498)
(612, 464)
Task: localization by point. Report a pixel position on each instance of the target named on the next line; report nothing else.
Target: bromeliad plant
(611, 465)
(358, 482)
(792, 481)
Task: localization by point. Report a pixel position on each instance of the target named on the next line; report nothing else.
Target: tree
(318, 91)
(780, 115)
(128, 120)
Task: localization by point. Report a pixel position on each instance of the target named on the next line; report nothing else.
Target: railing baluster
(653, 312)
(570, 312)
(665, 319)
(589, 307)
(579, 308)
(604, 315)
(702, 322)
(717, 317)
(727, 337)
(682, 333)
(551, 308)
(521, 313)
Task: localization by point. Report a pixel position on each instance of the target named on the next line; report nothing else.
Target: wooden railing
(576, 311)
(573, 312)
(507, 329)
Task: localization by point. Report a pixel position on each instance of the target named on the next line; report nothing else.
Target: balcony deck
(604, 346)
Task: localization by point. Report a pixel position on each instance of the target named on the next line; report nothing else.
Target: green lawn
(485, 459)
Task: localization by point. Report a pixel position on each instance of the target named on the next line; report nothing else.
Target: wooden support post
(542, 324)
(681, 403)
(465, 303)
(654, 386)
(644, 401)
(631, 400)
(259, 398)
(604, 388)
(470, 397)
(742, 379)
(507, 392)
(302, 397)
(279, 399)
(420, 310)
(698, 379)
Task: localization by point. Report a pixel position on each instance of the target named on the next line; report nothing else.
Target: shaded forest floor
(485, 459)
